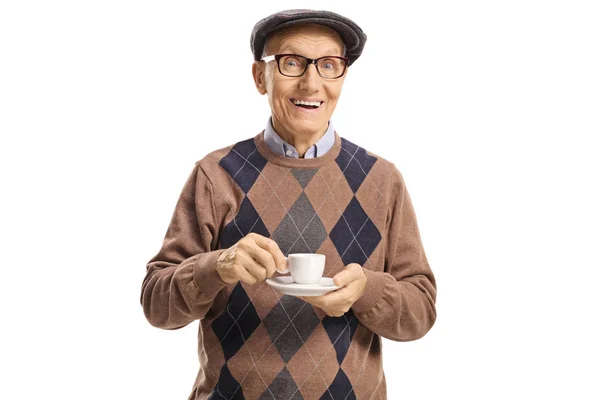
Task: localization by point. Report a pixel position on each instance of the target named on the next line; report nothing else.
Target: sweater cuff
(373, 291)
(205, 275)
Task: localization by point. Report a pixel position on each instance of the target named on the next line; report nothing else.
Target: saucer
(286, 285)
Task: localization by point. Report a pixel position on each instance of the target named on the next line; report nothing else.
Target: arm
(181, 281)
(399, 303)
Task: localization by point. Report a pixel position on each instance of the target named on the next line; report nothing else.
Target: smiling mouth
(308, 105)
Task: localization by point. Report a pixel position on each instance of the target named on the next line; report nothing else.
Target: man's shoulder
(238, 150)
(381, 174)
(241, 147)
(355, 151)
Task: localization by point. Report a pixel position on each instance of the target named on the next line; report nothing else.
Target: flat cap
(353, 37)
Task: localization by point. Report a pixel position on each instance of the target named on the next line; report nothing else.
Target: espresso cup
(305, 268)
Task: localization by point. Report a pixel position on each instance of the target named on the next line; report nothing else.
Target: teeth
(307, 103)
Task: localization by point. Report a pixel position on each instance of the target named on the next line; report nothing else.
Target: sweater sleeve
(399, 302)
(181, 281)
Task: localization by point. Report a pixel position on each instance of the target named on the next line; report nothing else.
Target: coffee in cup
(305, 268)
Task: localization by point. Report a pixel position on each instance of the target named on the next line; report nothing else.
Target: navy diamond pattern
(355, 163)
(227, 387)
(247, 220)
(340, 388)
(355, 236)
(233, 334)
(244, 164)
(341, 331)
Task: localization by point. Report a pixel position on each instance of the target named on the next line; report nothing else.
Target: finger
(254, 268)
(271, 246)
(244, 275)
(337, 297)
(347, 275)
(336, 313)
(314, 300)
(336, 303)
(262, 257)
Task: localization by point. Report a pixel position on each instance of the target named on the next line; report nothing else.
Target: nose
(311, 81)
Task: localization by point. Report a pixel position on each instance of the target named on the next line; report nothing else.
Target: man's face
(290, 120)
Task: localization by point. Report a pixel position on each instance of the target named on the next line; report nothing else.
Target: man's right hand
(252, 259)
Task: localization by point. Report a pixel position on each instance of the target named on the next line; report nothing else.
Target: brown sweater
(254, 342)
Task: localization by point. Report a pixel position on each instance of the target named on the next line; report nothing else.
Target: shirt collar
(281, 147)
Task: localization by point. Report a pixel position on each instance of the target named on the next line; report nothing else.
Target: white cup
(305, 268)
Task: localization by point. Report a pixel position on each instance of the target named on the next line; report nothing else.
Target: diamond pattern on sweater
(302, 365)
(369, 195)
(341, 388)
(273, 195)
(268, 366)
(300, 209)
(282, 387)
(290, 323)
(301, 230)
(247, 220)
(355, 236)
(341, 331)
(327, 362)
(227, 387)
(244, 163)
(263, 297)
(324, 358)
(319, 193)
(304, 175)
(355, 163)
(364, 244)
(236, 323)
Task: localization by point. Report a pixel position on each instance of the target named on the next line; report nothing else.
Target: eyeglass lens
(328, 67)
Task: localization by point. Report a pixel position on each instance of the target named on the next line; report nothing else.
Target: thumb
(341, 278)
(345, 276)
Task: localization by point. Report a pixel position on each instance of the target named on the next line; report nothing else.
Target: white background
(489, 108)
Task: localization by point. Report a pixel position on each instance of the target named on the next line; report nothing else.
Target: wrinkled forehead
(298, 35)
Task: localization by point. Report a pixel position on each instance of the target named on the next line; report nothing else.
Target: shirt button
(288, 153)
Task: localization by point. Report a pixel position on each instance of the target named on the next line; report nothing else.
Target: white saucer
(286, 285)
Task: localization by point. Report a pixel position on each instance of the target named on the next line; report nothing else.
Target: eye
(291, 61)
(328, 64)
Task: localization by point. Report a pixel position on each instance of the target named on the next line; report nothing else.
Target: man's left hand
(352, 281)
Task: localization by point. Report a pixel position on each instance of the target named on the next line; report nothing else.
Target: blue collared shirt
(281, 147)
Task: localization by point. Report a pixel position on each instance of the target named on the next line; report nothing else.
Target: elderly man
(296, 187)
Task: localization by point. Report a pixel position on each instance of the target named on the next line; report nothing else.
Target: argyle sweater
(253, 341)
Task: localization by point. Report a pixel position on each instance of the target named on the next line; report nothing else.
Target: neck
(302, 141)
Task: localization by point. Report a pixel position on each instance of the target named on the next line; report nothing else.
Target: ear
(258, 73)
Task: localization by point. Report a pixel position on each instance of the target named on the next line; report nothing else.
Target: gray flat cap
(353, 37)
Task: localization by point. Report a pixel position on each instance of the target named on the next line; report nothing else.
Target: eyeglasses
(293, 65)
